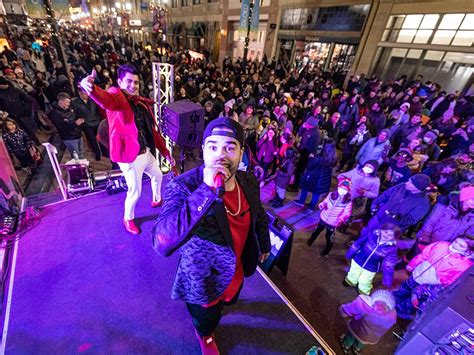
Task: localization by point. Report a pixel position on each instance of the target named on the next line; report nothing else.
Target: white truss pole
(163, 93)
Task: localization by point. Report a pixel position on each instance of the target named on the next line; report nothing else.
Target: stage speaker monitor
(183, 122)
(446, 326)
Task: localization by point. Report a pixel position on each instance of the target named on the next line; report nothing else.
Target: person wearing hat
(457, 217)
(399, 117)
(397, 171)
(309, 137)
(134, 137)
(440, 263)
(220, 238)
(404, 205)
(335, 209)
(368, 318)
(433, 149)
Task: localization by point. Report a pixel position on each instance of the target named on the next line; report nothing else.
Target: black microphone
(219, 185)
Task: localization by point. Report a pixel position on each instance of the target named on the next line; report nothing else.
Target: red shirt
(239, 229)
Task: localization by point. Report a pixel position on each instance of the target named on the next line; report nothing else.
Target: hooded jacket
(454, 222)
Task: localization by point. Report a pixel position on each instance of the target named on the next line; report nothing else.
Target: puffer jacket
(448, 265)
(335, 212)
(454, 223)
(371, 184)
(371, 255)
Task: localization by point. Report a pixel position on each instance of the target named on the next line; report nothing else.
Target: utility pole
(247, 37)
(55, 38)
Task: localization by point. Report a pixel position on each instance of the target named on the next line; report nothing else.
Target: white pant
(133, 173)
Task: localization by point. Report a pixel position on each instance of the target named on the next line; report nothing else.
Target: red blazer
(123, 132)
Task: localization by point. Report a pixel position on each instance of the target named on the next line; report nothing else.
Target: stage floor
(82, 284)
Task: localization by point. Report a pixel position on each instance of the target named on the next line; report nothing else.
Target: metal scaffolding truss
(163, 93)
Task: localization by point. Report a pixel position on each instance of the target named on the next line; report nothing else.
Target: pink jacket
(335, 213)
(448, 268)
(123, 132)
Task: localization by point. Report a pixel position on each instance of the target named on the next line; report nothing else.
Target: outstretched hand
(87, 84)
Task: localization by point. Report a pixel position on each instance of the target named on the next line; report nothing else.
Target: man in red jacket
(134, 136)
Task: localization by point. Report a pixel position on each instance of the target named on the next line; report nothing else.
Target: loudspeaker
(183, 122)
(446, 326)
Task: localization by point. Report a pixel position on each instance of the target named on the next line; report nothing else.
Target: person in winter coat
(267, 150)
(440, 263)
(433, 150)
(399, 117)
(349, 111)
(405, 132)
(445, 175)
(368, 318)
(457, 217)
(18, 144)
(317, 176)
(373, 252)
(365, 184)
(397, 170)
(336, 209)
(283, 176)
(403, 205)
(376, 118)
(352, 145)
(69, 126)
(376, 148)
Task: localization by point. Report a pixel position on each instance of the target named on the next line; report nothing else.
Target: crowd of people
(387, 159)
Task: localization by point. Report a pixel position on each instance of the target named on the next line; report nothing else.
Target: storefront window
(451, 21)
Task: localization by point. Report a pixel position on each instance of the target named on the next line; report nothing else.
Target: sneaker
(345, 349)
(277, 204)
(325, 253)
(208, 344)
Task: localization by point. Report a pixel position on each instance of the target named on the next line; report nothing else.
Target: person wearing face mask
(353, 143)
(368, 318)
(336, 209)
(440, 263)
(373, 252)
(403, 205)
(220, 238)
(365, 186)
(457, 218)
(429, 139)
(134, 137)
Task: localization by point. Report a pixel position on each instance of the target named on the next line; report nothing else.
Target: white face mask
(341, 191)
(426, 140)
(213, 96)
(367, 170)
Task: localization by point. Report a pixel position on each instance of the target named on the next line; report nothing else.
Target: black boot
(326, 250)
(277, 203)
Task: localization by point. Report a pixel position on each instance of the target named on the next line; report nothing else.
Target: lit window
(398, 52)
(412, 21)
(463, 38)
(451, 21)
(414, 53)
(434, 55)
(429, 22)
(422, 36)
(406, 36)
(443, 37)
(468, 23)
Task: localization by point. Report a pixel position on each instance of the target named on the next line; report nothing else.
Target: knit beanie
(266, 113)
(466, 193)
(384, 296)
(345, 184)
(421, 181)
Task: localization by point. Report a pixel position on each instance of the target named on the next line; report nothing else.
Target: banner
(244, 18)
(255, 20)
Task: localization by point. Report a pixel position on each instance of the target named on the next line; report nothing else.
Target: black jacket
(193, 221)
(65, 122)
(86, 110)
(15, 102)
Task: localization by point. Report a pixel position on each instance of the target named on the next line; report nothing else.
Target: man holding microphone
(134, 136)
(221, 237)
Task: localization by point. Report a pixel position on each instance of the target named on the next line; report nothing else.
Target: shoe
(157, 204)
(344, 348)
(325, 253)
(346, 283)
(208, 344)
(130, 226)
(277, 204)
